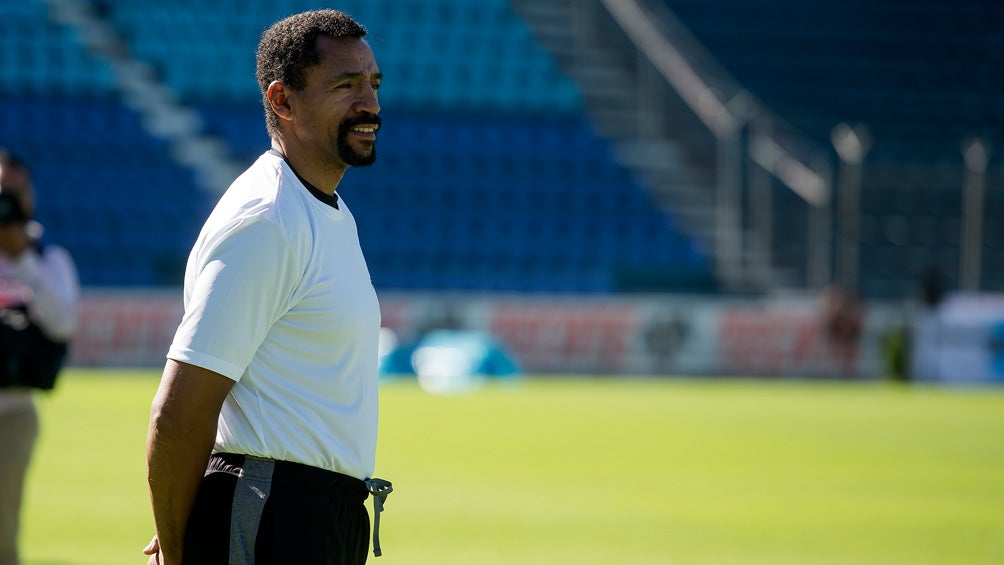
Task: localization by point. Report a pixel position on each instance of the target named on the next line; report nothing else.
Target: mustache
(364, 118)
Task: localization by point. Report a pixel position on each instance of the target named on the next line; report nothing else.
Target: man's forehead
(345, 54)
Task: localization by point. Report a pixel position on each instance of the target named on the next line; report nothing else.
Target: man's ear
(278, 98)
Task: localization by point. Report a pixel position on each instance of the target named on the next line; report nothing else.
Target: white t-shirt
(279, 299)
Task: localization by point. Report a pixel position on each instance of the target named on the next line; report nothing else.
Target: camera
(11, 211)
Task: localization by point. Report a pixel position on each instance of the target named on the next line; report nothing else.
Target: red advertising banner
(782, 341)
(567, 337)
(653, 335)
(125, 329)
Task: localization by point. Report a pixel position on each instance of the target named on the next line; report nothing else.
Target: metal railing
(746, 132)
(743, 129)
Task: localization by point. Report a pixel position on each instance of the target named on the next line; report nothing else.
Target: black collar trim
(329, 199)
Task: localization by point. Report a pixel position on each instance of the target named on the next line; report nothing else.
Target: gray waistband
(253, 486)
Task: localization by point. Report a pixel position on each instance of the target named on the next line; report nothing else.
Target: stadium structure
(557, 148)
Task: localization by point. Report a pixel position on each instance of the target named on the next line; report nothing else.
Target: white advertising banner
(961, 340)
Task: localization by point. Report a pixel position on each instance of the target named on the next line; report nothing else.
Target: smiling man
(262, 438)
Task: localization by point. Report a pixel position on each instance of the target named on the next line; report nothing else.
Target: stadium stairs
(108, 190)
(921, 78)
(656, 135)
(491, 178)
(165, 117)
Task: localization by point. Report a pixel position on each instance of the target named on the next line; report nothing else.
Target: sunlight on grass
(577, 470)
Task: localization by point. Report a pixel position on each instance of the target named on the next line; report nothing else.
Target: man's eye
(375, 86)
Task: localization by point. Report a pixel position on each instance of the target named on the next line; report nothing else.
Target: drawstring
(379, 488)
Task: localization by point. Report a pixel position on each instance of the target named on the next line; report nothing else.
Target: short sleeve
(237, 287)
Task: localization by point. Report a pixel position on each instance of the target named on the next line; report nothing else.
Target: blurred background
(627, 187)
(571, 195)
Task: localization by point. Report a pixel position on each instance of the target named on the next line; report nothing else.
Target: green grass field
(590, 471)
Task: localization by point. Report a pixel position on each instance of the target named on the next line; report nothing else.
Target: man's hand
(153, 550)
(183, 420)
(13, 239)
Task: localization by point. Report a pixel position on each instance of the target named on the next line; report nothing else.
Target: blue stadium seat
(487, 174)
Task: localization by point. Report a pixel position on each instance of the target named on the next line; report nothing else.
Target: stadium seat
(486, 162)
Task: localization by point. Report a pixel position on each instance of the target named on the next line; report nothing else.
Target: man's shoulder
(253, 194)
(261, 179)
(261, 195)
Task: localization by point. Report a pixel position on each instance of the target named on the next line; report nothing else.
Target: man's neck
(325, 177)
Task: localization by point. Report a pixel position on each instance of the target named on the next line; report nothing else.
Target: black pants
(251, 510)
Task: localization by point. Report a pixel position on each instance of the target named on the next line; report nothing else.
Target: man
(276, 354)
(39, 294)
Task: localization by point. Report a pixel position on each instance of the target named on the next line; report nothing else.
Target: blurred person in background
(842, 315)
(39, 294)
(262, 435)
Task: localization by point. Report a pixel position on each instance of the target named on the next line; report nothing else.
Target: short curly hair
(289, 47)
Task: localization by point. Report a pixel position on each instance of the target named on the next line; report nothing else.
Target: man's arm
(181, 436)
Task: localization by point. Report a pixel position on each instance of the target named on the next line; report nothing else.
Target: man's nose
(367, 101)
